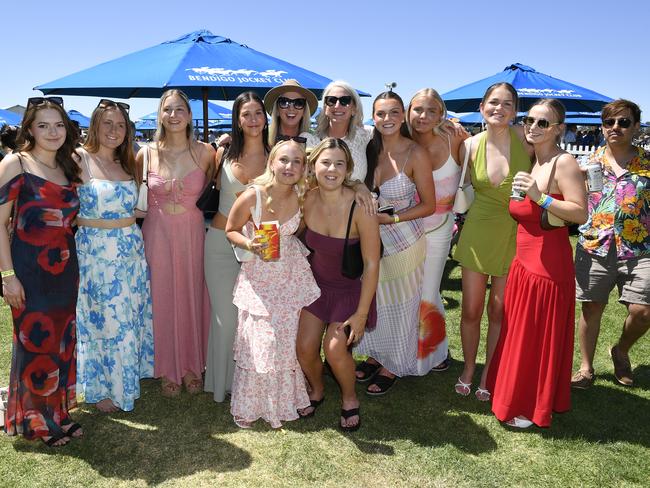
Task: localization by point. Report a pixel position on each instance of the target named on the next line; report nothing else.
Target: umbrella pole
(205, 113)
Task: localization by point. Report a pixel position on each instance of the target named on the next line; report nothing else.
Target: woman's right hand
(253, 245)
(13, 292)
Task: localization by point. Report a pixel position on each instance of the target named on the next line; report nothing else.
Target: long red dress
(531, 371)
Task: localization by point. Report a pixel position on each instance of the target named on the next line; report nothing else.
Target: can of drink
(517, 194)
(594, 177)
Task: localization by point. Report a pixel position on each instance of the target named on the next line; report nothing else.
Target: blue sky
(599, 45)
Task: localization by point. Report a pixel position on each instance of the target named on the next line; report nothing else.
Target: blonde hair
(160, 134)
(305, 122)
(330, 143)
(267, 179)
(356, 121)
(431, 93)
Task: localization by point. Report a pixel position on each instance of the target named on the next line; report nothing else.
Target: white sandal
(462, 388)
(519, 422)
(483, 395)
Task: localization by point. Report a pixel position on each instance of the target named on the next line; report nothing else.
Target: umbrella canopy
(197, 63)
(145, 124)
(530, 85)
(9, 118)
(80, 118)
(215, 112)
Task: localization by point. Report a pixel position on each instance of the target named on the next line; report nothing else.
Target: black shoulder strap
(347, 231)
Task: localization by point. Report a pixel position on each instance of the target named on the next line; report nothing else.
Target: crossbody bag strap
(347, 231)
(145, 165)
(465, 163)
(550, 178)
(257, 217)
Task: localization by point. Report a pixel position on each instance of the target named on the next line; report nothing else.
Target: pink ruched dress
(174, 249)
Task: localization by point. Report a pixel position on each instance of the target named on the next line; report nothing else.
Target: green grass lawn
(421, 434)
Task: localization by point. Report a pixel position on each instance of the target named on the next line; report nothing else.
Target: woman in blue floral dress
(40, 274)
(114, 323)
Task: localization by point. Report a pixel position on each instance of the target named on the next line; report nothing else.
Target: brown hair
(25, 141)
(507, 86)
(124, 152)
(618, 106)
(160, 129)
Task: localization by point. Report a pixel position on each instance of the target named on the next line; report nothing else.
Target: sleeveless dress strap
(408, 156)
(85, 157)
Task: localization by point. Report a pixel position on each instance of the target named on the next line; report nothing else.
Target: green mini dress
(487, 241)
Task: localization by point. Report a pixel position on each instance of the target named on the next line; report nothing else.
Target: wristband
(7, 273)
(395, 219)
(544, 201)
(249, 243)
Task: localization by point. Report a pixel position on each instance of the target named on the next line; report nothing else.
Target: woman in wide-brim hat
(287, 104)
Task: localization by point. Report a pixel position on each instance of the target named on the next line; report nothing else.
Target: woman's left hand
(357, 325)
(385, 219)
(525, 182)
(365, 199)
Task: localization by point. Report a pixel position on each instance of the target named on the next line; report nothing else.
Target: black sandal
(54, 439)
(369, 371)
(383, 382)
(346, 414)
(74, 427)
(314, 404)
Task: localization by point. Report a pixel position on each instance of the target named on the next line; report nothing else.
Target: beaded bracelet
(7, 273)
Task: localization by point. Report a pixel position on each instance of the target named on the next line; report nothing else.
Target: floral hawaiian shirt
(621, 211)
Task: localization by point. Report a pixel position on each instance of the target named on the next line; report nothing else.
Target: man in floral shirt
(614, 244)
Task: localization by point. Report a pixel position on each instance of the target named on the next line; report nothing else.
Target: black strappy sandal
(346, 414)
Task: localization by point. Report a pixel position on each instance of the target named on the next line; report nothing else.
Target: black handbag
(208, 202)
(352, 262)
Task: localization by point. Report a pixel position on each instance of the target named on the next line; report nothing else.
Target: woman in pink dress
(174, 236)
(269, 294)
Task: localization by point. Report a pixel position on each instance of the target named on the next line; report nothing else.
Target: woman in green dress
(487, 243)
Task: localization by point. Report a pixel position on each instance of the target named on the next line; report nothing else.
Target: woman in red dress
(531, 377)
(40, 273)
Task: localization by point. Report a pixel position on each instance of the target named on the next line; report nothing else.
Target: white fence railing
(577, 150)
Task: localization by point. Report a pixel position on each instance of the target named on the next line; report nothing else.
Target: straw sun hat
(290, 86)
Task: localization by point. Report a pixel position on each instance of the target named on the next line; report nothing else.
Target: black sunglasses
(541, 123)
(105, 102)
(42, 100)
(623, 122)
(298, 103)
(345, 100)
(298, 139)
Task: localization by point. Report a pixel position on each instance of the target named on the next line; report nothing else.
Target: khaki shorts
(596, 277)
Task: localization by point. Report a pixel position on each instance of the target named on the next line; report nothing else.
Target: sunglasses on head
(541, 123)
(298, 103)
(105, 102)
(623, 122)
(345, 100)
(42, 100)
(298, 139)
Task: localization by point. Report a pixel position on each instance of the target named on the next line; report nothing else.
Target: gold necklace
(38, 160)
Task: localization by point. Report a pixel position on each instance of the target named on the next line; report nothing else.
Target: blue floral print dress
(114, 318)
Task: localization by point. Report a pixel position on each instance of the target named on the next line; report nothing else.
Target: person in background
(487, 244)
(243, 161)
(346, 306)
(290, 107)
(114, 319)
(426, 116)
(268, 382)
(614, 244)
(8, 135)
(174, 236)
(530, 373)
(399, 168)
(40, 273)
(570, 134)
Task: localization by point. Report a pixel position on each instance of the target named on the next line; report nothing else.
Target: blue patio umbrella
(530, 85)
(10, 118)
(80, 118)
(203, 65)
(145, 124)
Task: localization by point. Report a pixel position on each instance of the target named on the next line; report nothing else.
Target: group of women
(100, 309)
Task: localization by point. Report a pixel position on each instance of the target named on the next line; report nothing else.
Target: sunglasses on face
(541, 123)
(297, 103)
(623, 122)
(42, 100)
(345, 100)
(105, 102)
(298, 139)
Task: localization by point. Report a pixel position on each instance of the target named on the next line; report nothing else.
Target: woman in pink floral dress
(268, 382)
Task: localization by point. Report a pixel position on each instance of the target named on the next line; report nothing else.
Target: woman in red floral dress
(40, 274)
